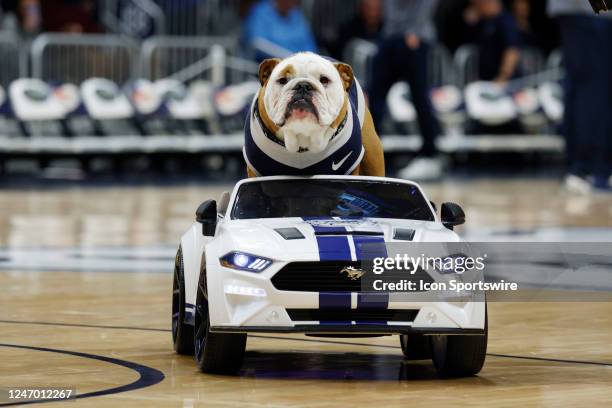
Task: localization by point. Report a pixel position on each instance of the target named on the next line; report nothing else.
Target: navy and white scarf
(267, 155)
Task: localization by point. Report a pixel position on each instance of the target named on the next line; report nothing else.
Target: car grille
(348, 315)
(325, 276)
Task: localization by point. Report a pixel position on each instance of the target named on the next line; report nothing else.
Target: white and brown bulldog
(308, 118)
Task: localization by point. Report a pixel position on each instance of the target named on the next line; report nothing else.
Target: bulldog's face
(304, 97)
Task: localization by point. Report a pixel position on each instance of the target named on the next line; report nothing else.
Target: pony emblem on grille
(352, 273)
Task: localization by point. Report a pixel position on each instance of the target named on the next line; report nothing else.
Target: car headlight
(245, 262)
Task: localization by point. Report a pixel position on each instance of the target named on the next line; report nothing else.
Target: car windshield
(330, 198)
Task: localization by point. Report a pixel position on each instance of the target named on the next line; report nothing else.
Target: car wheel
(215, 353)
(182, 333)
(415, 346)
(460, 355)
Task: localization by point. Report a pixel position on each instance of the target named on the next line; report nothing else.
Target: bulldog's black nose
(303, 87)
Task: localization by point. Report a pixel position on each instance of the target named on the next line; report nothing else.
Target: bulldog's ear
(346, 73)
(265, 69)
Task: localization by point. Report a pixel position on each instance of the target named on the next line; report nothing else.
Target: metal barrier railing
(186, 58)
(555, 59)
(74, 58)
(466, 60)
(532, 61)
(13, 57)
(360, 55)
(441, 71)
(441, 68)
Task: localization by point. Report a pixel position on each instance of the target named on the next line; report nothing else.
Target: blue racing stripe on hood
(334, 248)
(368, 248)
(331, 247)
(329, 230)
(338, 248)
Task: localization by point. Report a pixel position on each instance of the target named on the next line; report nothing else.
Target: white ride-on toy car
(277, 255)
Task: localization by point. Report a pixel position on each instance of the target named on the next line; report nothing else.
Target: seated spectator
(451, 26)
(29, 14)
(277, 28)
(71, 16)
(497, 39)
(521, 10)
(366, 25)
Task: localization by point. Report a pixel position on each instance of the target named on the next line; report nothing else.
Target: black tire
(460, 356)
(182, 333)
(215, 353)
(415, 346)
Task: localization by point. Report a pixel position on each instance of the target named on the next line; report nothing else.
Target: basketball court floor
(85, 290)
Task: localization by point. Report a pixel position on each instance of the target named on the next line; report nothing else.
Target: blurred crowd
(491, 24)
(34, 16)
(404, 31)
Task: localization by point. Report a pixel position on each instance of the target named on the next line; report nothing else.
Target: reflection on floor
(55, 296)
(159, 215)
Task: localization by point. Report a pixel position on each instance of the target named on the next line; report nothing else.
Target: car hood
(264, 237)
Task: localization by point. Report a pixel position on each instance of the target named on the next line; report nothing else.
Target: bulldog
(310, 117)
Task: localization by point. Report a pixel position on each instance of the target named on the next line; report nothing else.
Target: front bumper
(242, 302)
(353, 329)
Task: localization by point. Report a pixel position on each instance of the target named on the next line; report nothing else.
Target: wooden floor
(69, 323)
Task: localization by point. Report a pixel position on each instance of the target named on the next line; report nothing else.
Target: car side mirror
(206, 214)
(452, 215)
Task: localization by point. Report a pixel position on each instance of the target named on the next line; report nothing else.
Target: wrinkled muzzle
(301, 104)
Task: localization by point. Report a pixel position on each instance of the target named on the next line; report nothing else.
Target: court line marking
(92, 326)
(95, 326)
(554, 360)
(148, 376)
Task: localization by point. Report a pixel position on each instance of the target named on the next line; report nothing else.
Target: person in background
(69, 16)
(366, 25)
(30, 16)
(497, 38)
(244, 8)
(521, 10)
(451, 26)
(587, 126)
(277, 28)
(408, 31)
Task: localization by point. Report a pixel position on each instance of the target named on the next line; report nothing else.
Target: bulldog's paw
(318, 143)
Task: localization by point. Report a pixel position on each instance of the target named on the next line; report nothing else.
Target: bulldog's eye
(324, 80)
(283, 81)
